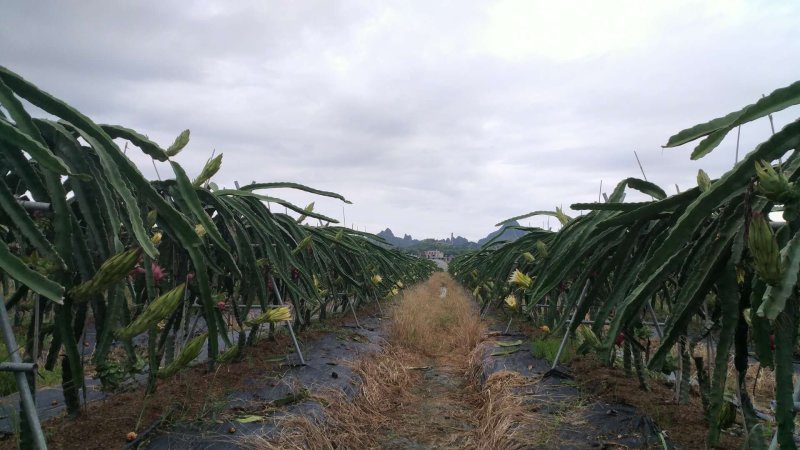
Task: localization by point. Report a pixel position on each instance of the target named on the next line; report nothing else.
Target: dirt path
(439, 325)
(415, 393)
(441, 413)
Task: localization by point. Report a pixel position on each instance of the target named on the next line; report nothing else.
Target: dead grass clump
(502, 414)
(384, 381)
(434, 325)
(474, 370)
(384, 377)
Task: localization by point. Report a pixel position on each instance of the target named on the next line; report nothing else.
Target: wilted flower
(320, 290)
(512, 302)
(200, 230)
(747, 314)
(740, 275)
(520, 279)
(279, 314)
(545, 328)
(377, 279)
(156, 238)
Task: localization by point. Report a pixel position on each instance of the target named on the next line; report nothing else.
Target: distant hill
(451, 246)
(506, 234)
(399, 242)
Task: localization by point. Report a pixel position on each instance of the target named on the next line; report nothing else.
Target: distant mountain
(505, 233)
(453, 245)
(404, 242)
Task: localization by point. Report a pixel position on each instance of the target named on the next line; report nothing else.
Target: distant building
(433, 254)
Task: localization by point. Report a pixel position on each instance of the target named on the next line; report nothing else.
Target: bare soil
(685, 424)
(193, 394)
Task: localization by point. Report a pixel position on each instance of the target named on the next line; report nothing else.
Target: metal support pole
(17, 367)
(28, 402)
(608, 322)
(566, 334)
(353, 308)
(796, 396)
(288, 322)
(655, 320)
(35, 206)
(508, 327)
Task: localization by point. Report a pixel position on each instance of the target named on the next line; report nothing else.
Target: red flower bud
(158, 272)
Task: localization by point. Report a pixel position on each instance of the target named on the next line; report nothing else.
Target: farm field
(430, 373)
(175, 313)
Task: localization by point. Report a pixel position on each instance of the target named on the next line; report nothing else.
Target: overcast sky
(431, 117)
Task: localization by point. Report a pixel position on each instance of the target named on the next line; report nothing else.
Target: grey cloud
(394, 104)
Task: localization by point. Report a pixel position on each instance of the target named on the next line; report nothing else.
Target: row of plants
(87, 239)
(710, 259)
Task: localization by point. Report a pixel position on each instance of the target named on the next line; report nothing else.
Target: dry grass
(425, 330)
(426, 323)
(503, 419)
(760, 381)
(760, 384)
(385, 379)
(509, 409)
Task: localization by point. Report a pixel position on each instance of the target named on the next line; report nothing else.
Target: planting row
(708, 259)
(87, 240)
